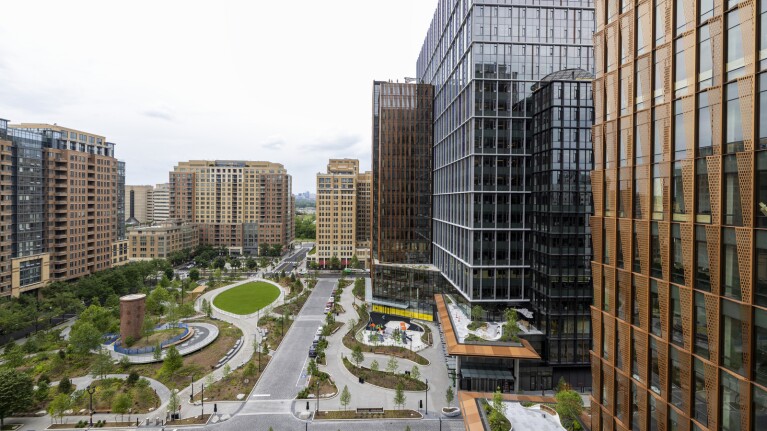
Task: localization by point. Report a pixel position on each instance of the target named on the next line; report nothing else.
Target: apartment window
(677, 336)
(654, 365)
(733, 316)
(678, 204)
(735, 54)
(703, 205)
(701, 326)
(731, 282)
(634, 303)
(705, 58)
(657, 193)
(705, 139)
(734, 133)
(760, 294)
(660, 21)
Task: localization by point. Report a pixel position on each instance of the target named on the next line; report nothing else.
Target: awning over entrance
(486, 373)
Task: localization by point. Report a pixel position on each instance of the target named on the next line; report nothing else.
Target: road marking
(262, 395)
(301, 374)
(264, 413)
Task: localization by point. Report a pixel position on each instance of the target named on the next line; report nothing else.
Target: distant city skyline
(181, 89)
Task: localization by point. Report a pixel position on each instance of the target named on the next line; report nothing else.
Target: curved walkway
(204, 334)
(82, 382)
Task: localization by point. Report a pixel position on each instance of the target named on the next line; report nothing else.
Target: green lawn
(247, 298)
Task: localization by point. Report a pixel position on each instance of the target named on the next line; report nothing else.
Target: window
(761, 189)
(730, 403)
(703, 205)
(706, 9)
(677, 336)
(759, 399)
(734, 134)
(654, 365)
(760, 346)
(735, 54)
(700, 406)
(733, 316)
(731, 270)
(676, 379)
(705, 139)
(678, 204)
(655, 255)
(701, 326)
(733, 212)
(762, 123)
(655, 326)
(657, 192)
(760, 294)
(702, 267)
(677, 267)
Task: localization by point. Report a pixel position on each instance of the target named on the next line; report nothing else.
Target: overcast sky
(284, 81)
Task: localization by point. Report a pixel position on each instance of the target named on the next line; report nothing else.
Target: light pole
(91, 390)
(426, 405)
(191, 397)
(202, 400)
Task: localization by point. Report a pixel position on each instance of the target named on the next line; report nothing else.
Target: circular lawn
(247, 298)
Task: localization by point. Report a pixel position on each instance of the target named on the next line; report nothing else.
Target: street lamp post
(202, 400)
(426, 405)
(91, 390)
(191, 397)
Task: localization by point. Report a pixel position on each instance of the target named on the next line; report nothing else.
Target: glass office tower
(485, 58)
(680, 223)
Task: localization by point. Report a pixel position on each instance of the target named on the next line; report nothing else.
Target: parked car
(312, 352)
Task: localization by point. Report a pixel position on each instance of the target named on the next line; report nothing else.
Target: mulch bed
(195, 420)
(352, 414)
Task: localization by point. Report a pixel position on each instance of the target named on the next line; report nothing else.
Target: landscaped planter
(451, 412)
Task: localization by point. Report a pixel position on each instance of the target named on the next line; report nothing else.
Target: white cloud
(178, 80)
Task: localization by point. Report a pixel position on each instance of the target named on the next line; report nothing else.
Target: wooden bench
(370, 410)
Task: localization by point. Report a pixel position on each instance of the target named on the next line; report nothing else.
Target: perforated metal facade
(680, 225)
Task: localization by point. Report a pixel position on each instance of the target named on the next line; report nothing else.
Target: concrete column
(516, 376)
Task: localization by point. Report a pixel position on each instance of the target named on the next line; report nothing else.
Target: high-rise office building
(62, 219)
(237, 204)
(680, 220)
(138, 204)
(160, 203)
(343, 209)
(484, 60)
(404, 281)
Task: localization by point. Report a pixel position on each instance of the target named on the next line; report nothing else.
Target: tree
(249, 370)
(65, 386)
(335, 262)
(346, 397)
(374, 365)
(415, 372)
(397, 335)
(15, 393)
(103, 364)
(476, 312)
(399, 395)
(206, 308)
(219, 263)
(355, 263)
(157, 352)
(392, 365)
(449, 396)
(357, 355)
(42, 392)
(194, 274)
(311, 368)
(84, 338)
(132, 378)
(173, 402)
(227, 370)
(510, 329)
(121, 404)
(251, 264)
(352, 324)
(169, 273)
(172, 362)
(569, 406)
(496, 418)
(60, 404)
(562, 385)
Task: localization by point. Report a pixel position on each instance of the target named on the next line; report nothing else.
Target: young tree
(415, 372)
(449, 396)
(496, 418)
(392, 365)
(374, 365)
(251, 264)
(60, 404)
(42, 391)
(172, 362)
(562, 385)
(399, 395)
(311, 368)
(227, 370)
(194, 274)
(346, 397)
(15, 392)
(206, 308)
(569, 406)
(352, 323)
(173, 402)
(102, 364)
(249, 370)
(511, 327)
(397, 335)
(476, 312)
(355, 263)
(132, 378)
(357, 355)
(121, 404)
